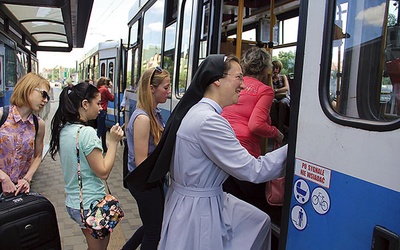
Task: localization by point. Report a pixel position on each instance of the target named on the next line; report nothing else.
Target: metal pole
(239, 29)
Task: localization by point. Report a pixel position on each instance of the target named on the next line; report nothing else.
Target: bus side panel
(353, 208)
(346, 179)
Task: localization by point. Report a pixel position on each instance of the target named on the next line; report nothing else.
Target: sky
(108, 21)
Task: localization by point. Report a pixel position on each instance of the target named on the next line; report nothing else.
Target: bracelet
(27, 180)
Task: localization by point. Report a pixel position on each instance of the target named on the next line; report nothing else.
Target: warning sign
(313, 172)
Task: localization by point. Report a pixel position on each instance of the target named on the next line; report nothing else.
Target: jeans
(75, 215)
(151, 207)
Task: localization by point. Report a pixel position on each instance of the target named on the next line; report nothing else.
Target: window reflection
(169, 49)
(184, 54)
(152, 36)
(363, 52)
(10, 67)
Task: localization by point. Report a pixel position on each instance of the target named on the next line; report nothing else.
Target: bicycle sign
(321, 201)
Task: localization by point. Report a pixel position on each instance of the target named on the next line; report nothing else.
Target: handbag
(275, 189)
(105, 214)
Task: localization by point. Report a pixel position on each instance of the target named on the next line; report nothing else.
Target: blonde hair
(145, 98)
(24, 87)
(255, 60)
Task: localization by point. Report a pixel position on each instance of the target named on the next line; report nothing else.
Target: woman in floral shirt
(21, 145)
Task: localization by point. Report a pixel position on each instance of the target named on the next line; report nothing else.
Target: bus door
(343, 188)
(107, 68)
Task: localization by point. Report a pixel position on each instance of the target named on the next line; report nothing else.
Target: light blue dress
(198, 214)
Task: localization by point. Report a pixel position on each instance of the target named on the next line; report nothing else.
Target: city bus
(342, 184)
(106, 59)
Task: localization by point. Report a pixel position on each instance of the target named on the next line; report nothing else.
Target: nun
(200, 150)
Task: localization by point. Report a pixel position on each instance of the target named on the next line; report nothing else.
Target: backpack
(6, 109)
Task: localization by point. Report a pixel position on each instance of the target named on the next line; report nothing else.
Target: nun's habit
(198, 214)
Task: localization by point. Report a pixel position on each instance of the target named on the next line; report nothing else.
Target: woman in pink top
(251, 121)
(21, 144)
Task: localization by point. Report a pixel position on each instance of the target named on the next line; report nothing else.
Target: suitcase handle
(12, 196)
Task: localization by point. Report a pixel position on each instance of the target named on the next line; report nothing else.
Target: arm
(141, 137)
(109, 95)
(24, 183)
(105, 93)
(103, 166)
(218, 141)
(7, 185)
(260, 121)
(123, 101)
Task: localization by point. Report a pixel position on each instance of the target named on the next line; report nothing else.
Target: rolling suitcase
(28, 221)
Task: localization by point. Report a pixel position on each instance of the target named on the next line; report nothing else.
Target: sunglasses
(44, 93)
(156, 69)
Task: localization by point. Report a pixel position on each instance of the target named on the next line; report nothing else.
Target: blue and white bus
(342, 178)
(106, 59)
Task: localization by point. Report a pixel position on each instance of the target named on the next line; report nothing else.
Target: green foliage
(287, 59)
(56, 75)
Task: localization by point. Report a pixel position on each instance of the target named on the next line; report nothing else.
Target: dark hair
(228, 62)
(68, 110)
(103, 81)
(277, 64)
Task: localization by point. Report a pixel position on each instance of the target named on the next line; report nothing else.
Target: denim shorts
(75, 215)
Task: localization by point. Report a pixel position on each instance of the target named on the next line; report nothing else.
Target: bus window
(91, 69)
(10, 67)
(95, 66)
(152, 36)
(133, 69)
(133, 35)
(22, 66)
(172, 12)
(135, 72)
(169, 49)
(361, 83)
(129, 71)
(204, 32)
(34, 66)
(103, 69)
(132, 60)
(111, 71)
(184, 54)
(87, 69)
(286, 32)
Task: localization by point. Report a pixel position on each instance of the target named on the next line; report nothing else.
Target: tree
(287, 59)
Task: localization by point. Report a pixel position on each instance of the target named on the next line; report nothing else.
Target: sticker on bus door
(313, 172)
